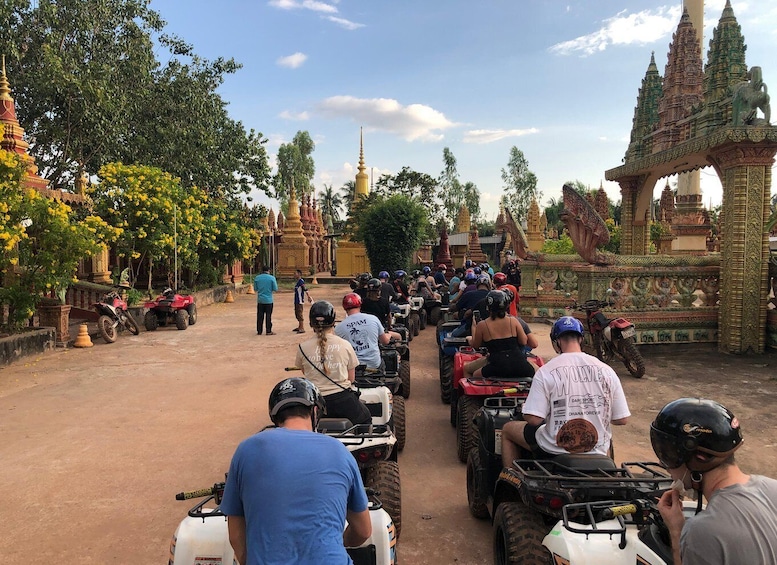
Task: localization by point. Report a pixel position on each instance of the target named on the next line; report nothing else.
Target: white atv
(202, 537)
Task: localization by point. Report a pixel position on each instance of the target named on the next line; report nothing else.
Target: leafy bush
(392, 230)
(561, 246)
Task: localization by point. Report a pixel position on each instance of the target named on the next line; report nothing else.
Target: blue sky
(558, 80)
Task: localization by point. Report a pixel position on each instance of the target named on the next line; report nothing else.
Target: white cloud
(292, 61)
(342, 22)
(641, 28)
(312, 5)
(294, 116)
(481, 136)
(412, 122)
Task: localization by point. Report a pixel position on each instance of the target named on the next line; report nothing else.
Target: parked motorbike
(613, 337)
(114, 317)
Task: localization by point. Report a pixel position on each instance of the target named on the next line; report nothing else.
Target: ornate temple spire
(463, 220)
(725, 68)
(601, 204)
(362, 179)
(666, 205)
(682, 85)
(646, 112)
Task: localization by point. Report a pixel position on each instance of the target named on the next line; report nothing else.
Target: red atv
(467, 395)
(170, 307)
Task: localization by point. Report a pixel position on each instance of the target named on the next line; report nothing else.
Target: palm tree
(331, 203)
(348, 191)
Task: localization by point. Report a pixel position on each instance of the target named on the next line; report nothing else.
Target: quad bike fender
(198, 540)
(474, 387)
(379, 400)
(461, 358)
(599, 549)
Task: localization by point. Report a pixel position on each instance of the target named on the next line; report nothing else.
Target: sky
(556, 79)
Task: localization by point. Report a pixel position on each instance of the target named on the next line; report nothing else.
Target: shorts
(298, 312)
(530, 435)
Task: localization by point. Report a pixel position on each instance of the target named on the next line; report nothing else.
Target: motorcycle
(613, 337)
(202, 536)
(114, 317)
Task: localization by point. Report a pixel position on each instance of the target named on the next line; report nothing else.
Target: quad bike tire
(181, 319)
(404, 374)
(150, 321)
(192, 310)
(632, 358)
(422, 317)
(415, 322)
(131, 324)
(454, 406)
(466, 434)
(384, 477)
(476, 498)
(107, 330)
(446, 378)
(398, 417)
(434, 315)
(518, 535)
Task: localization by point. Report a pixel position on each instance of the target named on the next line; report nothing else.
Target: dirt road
(96, 442)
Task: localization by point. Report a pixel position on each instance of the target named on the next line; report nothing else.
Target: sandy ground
(96, 442)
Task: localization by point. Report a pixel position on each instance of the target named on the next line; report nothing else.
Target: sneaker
(300, 331)
(295, 330)
(270, 333)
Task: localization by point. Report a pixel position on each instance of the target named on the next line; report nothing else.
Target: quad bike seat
(585, 461)
(334, 425)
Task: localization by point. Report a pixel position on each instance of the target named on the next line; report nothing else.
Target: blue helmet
(400, 274)
(477, 270)
(566, 324)
(427, 270)
(383, 275)
(484, 279)
(470, 276)
(467, 264)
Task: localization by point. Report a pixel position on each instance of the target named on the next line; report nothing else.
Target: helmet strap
(696, 483)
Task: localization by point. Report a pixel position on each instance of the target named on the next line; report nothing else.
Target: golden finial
(5, 87)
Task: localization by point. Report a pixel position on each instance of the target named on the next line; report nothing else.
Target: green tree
(157, 215)
(392, 229)
(520, 185)
(472, 200)
(347, 193)
(77, 69)
(421, 187)
(295, 165)
(451, 190)
(561, 246)
(331, 204)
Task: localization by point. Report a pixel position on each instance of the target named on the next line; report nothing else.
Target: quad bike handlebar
(216, 490)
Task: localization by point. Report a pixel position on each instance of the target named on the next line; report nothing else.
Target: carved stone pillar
(57, 317)
(746, 173)
(629, 188)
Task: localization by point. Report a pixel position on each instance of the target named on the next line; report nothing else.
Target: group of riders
(694, 439)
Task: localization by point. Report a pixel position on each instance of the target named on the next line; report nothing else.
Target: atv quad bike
(170, 307)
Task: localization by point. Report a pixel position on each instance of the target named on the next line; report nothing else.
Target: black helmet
(700, 433)
(322, 315)
(496, 300)
(364, 278)
(416, 274)
(373, 284)
(295, 391)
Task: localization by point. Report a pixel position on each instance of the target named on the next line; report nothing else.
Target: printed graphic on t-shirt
(577, 436)
(357, 335)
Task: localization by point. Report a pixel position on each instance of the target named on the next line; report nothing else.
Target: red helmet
(500, 279)
(351, 301)
(442, 267)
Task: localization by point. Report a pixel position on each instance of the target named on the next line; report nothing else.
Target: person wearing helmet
(364, 332)
(373, 302)
(466, 306)
(425, 291)
(277, 475)
(468, 283)
(264, 285)
(361, 284)
(400, 287)
(695, 439)
(329, 362)
(439, 276)
(573, 400)
(500, 283)
(505, 339)
(453, 284)
(386, 288)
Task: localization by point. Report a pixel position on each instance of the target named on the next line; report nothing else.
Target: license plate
(498, 442)
(629, 332)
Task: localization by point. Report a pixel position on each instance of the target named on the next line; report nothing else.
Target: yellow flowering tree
(153, 211)
(42, 241)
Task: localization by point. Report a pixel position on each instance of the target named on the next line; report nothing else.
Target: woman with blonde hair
(330, 363)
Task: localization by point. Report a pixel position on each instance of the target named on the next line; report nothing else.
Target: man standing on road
(290, 490)
(264, 286)
(695, 439)
(572, 401)
(300, 292)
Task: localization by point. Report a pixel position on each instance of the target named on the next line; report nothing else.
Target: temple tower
(293, 249)
(352, 256)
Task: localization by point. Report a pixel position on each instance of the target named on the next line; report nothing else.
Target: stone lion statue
(749, 97)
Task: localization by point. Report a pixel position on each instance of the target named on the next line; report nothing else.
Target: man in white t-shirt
(364, 332)
(572, 402)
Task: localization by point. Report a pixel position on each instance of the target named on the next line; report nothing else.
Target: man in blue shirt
(364, 332)
(300, 292)
(264, 285)
(289, 490)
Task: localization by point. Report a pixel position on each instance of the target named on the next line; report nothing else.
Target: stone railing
(669, 299)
